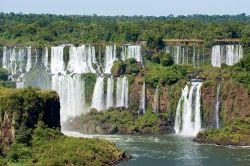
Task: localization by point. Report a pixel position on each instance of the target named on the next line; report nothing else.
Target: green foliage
(3, 74)
(120, 121)
(130, 66)
(89, 80)
(23, 135)
(157, 74)
(155, 43)
(236, 133)
(48, 29)
(7, 84)
(51, 147)
(167, 60)
(18, 152)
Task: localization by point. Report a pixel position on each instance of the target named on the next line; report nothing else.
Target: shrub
(3, 74)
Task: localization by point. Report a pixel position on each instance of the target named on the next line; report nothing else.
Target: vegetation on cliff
(4, 79)
(30, 133)
(236, 133)
(120, 121)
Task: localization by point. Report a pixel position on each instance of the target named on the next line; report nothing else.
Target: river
(174, 150)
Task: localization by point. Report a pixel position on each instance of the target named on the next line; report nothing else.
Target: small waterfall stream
(217, 107)
(142, 108)
(156, 100)
(188, 120)
(122, 92)
(110, 92)
(98, 94)
(110, 58)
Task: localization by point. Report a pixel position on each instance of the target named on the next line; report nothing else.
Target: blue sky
(127, 7)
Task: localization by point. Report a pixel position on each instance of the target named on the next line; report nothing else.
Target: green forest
(33, 29)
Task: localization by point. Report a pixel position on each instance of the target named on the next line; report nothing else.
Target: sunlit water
(174, 150)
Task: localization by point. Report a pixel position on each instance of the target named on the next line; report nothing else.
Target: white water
(45, 58)
(156, 100)
(110, 58)
(217, 107)
(188, 120)
(183, 54)
(132, 51)
(71, 93)
(228, 54)
(57, 64)
(65, 77)
(16, 60)
(98, 94)
(122, 92)
(110, 93)
(81, 59)
(143, 99)
(29, 59)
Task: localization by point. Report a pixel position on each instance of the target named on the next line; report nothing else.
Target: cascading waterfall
(62, 73)
(131, 51)
(110, 58)
(81, 59)
(98, 94)
(110, 92)
(45, 58)
(69, 86)
(71, 91)
(29, 59)
(57, 64)
(217, 107)
(143, 99)
(156, 100)
(216, 56)
(122, 92)
(184, 54)
(188, 120)
(228, 54)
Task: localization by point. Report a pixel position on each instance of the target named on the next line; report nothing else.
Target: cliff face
(208, 99)
(168, 96)
(22, 109)
(234, 102)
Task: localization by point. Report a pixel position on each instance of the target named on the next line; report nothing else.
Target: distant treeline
(47, 29)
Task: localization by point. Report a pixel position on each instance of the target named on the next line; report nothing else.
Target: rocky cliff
(23, 108)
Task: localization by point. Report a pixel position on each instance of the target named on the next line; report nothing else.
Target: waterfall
(110, 92)
(61, 71)
(184, 54)
(29, 59)
(228, 54)
(216, 56)
(15, 60)
(217, 107)
(122, 92)
(131, 51)
(81, 59)
(110, 57)
(45, 58)
(143, 99)
(187, 120)
(156, 100)
(57, 64)
(71, 93)
(98, 94)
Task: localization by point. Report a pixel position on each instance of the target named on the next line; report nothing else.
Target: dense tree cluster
(54, 29)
